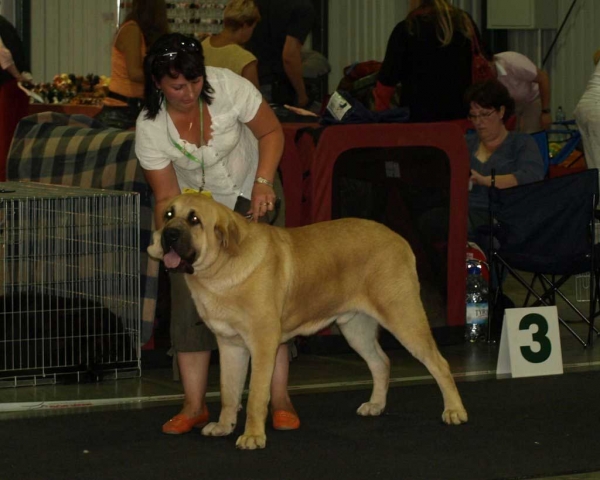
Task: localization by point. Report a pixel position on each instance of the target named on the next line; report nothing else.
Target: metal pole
(558, 33)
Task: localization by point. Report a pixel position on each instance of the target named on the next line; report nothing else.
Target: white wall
(7, 9)
(71, 36)
(359, 30)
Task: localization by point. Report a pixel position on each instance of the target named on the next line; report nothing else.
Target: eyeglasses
(482, 116)
(168, 54)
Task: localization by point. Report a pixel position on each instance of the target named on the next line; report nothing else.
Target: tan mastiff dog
(257, 286)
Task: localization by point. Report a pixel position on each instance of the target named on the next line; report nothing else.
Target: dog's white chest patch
(221, 328)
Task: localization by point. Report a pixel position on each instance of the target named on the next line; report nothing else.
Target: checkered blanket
(76, 150)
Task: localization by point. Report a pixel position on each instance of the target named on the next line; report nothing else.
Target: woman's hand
(507, 180)
(25, 78)
(263, 200)
(267, 129)
(478, 179)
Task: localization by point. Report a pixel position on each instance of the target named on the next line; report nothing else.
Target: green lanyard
(187, 154)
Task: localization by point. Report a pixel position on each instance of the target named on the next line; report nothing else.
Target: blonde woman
(429, 54)
(225, 49)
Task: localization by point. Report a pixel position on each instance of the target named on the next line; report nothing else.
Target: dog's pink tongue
(172, 259)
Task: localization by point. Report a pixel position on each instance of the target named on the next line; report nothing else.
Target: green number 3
(540, 337)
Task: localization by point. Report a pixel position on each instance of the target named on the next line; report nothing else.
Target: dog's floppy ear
(228, 234)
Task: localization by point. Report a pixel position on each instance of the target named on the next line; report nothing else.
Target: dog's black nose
(170, 235)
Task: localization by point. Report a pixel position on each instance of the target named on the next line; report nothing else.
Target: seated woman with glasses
(515, 157)
(206, 128)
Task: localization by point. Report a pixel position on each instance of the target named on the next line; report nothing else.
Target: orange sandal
(181, 423)
(283, 420)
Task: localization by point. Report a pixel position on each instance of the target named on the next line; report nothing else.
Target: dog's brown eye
(193, 219)
(169, 214)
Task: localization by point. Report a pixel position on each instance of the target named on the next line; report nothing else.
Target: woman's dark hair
(491, 94)
(173, 54)
(151, 16)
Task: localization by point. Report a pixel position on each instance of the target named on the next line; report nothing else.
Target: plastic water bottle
(560, 115)
(477, 304)
(557, 137)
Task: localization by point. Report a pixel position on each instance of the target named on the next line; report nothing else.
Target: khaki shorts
(188, 331)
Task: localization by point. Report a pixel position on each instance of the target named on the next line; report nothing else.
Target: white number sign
(530, 343)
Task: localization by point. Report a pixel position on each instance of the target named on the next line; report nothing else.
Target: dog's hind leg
(360, 331)
(414, 333)
(234, 367)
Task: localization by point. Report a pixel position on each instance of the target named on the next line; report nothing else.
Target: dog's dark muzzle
(179, 255)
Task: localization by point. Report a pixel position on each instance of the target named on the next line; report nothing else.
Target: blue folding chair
(541, 139)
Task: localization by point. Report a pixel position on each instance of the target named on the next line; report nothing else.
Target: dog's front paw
(215, 429)
(369, 409)
(251, 442)
(455, 416)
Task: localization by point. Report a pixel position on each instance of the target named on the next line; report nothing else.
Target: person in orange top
(146, 22)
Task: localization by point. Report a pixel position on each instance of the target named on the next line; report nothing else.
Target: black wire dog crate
(69, 284)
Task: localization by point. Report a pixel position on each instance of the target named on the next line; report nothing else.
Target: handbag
(118, 117)
(481, 70)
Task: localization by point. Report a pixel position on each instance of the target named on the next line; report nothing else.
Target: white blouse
(230, 157)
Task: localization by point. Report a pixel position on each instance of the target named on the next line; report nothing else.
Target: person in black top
(277, 43)
(429, 54)
(13, 102)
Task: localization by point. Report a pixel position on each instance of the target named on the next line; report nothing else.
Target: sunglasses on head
(168, 54)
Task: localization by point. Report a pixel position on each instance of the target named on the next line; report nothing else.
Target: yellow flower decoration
(206, 193)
